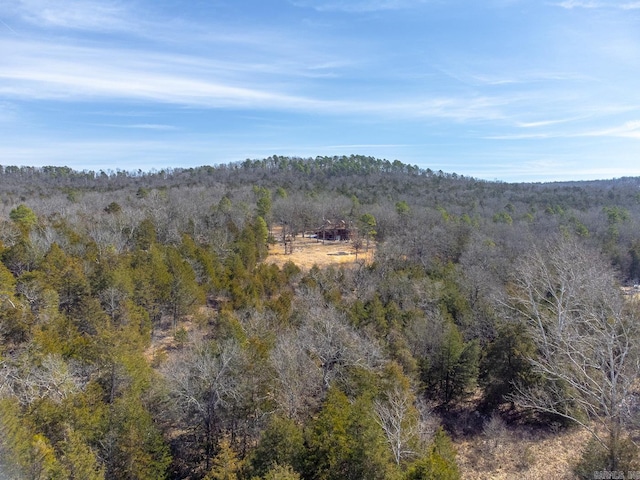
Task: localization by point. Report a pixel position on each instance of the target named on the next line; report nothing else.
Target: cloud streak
(547, 123)
(101, 15)
(38, 71)
(141, 126)
(35, 71)
(358, 6)
(571, 4)
(629, 129)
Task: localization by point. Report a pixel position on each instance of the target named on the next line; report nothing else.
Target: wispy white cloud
(109, 152)
(35, 71)
(78, 84)
(141, 126)
(39, 71)
(475, 72)
(525, 136)
(546, 123)
(103, 15)
(525, 77)
(357, 6)
(8, 27)
(67, 72)
(461, 108)
(365, 145)
(629, 129)
(570, 4)
(128, 22)
(589, 4)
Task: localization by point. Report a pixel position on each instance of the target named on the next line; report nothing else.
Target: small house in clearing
(334, 231)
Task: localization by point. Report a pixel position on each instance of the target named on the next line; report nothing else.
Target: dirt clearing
(311, 251)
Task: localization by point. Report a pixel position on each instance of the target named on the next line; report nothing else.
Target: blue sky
(515, 90)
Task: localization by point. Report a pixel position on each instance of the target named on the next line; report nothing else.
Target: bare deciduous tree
(399, 420)
(9, 233)
(586, 336)
(204, 381)
(335, 346)
(298, 380)
(51, 378)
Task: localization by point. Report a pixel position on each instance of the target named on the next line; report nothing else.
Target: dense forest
(487, 306)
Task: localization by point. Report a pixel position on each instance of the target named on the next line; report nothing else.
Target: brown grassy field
(309, 251)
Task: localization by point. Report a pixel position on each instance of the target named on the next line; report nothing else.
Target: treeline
(362, 371)
(346, 174)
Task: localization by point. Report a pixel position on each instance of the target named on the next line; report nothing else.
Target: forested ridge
(487, 306)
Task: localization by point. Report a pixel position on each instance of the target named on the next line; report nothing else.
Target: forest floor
(163, 340)
(521, 453)
(308, 252)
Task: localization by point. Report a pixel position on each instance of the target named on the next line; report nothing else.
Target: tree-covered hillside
(485, 302)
